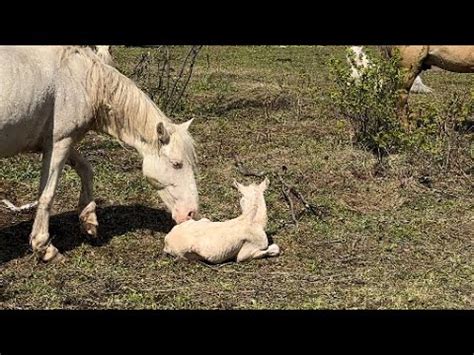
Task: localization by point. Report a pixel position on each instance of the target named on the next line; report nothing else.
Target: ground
(378, 241)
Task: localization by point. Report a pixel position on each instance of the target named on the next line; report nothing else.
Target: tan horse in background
(415, 59)
(361, 62)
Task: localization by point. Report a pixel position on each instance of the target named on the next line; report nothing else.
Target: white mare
(50, 96)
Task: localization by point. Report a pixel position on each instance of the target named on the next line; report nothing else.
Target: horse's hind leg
(54, 159)
(412, 58)
(87, 206)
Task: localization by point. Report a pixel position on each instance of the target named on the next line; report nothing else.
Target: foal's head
(252, 196)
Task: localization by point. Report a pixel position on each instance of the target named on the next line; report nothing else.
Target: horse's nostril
(191, 214)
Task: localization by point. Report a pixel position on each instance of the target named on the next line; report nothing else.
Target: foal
(242, 238)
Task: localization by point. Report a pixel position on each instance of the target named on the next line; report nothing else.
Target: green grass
(383, 242)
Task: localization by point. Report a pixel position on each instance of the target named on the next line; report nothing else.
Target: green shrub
(440, 133)
(369, 102)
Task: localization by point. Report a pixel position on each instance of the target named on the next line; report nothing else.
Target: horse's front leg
(87, 206)
(54, 159)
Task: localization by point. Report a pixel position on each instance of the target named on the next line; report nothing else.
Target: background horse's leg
(54, 159)
(87, 206)
(411, 59)
(403, 109)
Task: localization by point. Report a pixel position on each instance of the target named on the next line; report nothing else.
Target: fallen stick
(13, 208)
(288, 199)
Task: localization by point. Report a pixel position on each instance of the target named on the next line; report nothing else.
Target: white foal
(242, 238)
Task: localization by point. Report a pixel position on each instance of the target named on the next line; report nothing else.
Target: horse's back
(26, 95)
(453, 58)
(27, 73)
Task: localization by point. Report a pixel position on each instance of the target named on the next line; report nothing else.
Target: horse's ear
(186, 124)
(163, 135)
(264, 184)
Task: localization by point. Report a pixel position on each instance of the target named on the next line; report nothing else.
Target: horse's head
(171, 170)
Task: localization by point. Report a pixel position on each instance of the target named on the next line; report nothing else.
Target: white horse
(50, 96)
(361, 61)
(242, 238)
(103, 52)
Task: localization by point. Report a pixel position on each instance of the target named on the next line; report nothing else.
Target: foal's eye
(177, 164)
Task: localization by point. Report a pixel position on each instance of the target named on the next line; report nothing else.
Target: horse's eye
(177, 164)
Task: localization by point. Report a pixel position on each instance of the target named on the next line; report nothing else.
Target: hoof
(58, 259)
(273, 250)
(50, 254)
(90, 229)
(88, 220)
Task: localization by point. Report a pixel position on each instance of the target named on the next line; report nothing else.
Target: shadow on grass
(66, 234)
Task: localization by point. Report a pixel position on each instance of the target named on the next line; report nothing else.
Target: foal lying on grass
(242, 238)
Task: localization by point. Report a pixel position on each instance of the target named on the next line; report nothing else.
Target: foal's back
(212, 241)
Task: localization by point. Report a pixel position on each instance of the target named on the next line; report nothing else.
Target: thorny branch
(157, 74)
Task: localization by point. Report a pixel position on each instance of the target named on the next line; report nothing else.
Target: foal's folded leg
(251, 251)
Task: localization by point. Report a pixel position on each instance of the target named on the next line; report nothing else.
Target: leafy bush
(369, 102)
(440, 132)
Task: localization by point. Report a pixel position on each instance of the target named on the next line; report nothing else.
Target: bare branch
(191, 66)
(285, 190)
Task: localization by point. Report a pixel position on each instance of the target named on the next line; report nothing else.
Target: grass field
(380, 242)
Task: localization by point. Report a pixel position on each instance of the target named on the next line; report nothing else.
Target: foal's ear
(264, 184)
(163, 135)
(186, 124)
(237, 185)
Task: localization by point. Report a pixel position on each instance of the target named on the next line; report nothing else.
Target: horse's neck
(257, 213)
(127, 114)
